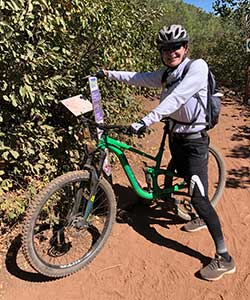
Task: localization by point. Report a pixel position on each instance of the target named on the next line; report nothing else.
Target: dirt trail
(152, 258)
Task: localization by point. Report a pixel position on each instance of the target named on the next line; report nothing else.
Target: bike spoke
(57, 239)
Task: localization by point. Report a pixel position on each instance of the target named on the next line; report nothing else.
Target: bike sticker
(96, 99)
(98, 112)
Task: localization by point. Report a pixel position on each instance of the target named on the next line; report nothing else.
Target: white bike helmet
(170, 35)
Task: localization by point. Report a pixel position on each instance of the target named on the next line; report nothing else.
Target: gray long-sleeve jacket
(177, 102)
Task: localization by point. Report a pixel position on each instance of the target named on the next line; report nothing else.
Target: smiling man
(172, 42)
(181, 81)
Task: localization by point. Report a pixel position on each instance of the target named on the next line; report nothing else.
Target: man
(188, 140)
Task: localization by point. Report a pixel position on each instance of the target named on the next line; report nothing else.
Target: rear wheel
(57, 240)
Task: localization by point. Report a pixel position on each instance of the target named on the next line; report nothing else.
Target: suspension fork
(94, 178)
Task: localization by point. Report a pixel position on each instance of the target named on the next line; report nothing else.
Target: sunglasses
(173, 47)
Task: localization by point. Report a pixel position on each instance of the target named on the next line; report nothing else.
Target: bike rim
(62, 240)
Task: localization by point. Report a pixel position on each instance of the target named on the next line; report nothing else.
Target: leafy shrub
(48, 47)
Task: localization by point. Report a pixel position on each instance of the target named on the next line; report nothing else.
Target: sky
(204, 4)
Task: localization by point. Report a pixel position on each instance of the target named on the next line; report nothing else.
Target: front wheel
(57, 239)
(216, 184)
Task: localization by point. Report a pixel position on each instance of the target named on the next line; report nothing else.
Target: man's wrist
(138, 127)
(146, 120)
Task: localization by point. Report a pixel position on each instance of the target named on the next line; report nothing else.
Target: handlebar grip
(100, 74)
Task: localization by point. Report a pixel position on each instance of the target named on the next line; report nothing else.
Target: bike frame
(119, 148)
(106, 143)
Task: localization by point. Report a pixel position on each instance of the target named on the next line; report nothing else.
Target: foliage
(231, 56)
(46, 50)
(13, 204)
(226, 8)
(204, 29)
(48, 47)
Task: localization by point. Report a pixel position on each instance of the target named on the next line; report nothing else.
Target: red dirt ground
(152, 258)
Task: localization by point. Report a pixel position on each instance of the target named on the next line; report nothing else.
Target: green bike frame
(118, 148)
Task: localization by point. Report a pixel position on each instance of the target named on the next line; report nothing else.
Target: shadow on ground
(142, 219)
(240, 177)
(17, 270)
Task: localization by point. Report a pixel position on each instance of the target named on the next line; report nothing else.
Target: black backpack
(213, 102)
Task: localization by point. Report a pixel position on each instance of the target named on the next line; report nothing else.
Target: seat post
(162, 145)
(165, 133)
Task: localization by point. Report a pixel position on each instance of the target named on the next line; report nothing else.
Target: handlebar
(117, 128)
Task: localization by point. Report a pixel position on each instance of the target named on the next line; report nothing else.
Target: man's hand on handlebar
(100, 74)
(138, 127)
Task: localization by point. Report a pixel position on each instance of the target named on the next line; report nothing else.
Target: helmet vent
(171, 34)
(177, 32)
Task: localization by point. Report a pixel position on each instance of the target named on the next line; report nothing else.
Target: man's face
(174, 56)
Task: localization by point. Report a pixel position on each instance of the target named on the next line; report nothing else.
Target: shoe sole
(219, 277)
(195, 229)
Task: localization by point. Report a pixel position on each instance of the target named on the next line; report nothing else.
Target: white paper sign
(78, 105)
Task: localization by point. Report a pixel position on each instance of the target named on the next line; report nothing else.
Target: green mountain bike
(69, 221)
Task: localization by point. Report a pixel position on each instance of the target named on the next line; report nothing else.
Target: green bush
(47, 48)
(230, 57)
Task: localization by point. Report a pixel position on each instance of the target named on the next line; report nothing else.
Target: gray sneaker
(218, 267)
(194, 225)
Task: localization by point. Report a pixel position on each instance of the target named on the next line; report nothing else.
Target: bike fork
(93, 190)
(95, 175)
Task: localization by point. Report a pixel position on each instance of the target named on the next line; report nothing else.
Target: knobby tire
(50, 228)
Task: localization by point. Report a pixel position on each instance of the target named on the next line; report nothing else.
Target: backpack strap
(165, 76)
(196, 95)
